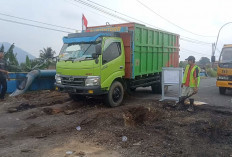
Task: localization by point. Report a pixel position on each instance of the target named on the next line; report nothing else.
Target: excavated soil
(139, 127)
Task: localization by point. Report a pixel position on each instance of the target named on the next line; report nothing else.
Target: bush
(211, 72)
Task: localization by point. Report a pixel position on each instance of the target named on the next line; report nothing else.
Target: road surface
(208, 92)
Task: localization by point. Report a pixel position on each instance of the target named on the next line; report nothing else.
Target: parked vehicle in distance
(224, 69)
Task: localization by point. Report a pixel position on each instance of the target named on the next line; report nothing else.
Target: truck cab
(224, 69)
(88, 64)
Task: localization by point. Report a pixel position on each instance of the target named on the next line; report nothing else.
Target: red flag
(84, 22)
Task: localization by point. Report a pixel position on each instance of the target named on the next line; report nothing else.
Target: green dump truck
(111, 59)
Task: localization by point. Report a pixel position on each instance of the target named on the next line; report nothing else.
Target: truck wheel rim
(117, 94)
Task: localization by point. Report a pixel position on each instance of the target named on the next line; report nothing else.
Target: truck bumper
(93, 90)
(227, 84)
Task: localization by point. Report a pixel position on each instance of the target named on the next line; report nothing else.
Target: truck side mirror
(94, 55)
(212, 58)
(98, 49)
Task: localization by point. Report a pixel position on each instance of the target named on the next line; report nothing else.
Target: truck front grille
(72, 81)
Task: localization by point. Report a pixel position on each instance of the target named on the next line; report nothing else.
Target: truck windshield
(226, 55)
(77, 51)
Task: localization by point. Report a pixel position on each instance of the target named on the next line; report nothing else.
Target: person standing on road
(3, 76)
(190, 81)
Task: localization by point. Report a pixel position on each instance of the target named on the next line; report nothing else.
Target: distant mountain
(21, 54)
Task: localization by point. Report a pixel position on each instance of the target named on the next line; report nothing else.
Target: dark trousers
(3, 86)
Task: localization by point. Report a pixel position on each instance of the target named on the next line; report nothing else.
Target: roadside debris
(81, 154)
(124, 138)
(69, 112)
(55, 109)
(78, 128)
(69, 152)
(21, 107)
(137, 144)
(25, 150)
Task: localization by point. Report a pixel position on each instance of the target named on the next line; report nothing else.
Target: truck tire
(222, 90)
(76, 97)
(156, 88)
(115, 95)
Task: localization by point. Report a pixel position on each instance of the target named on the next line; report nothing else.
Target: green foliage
(28, 62)
(47, 53)
(10, 57)
(204, 60)
(32, 65)
(211, 72)
(2, 48)
(183, 64)
(43, 62)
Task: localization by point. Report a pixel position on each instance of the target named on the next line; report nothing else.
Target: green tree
(28, 62)
(203, 61)
(27, 65)
(183, 64)
(47, 53)
(2, 48)
(46, 56)
(42, 62)
(11, 59)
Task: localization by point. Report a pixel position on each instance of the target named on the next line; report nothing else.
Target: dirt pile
(216, 130)
(138, 128)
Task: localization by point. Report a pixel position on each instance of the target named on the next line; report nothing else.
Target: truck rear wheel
(76, 97)
(115, 95)
(222, 90)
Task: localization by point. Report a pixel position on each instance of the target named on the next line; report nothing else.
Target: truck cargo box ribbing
(147, 50)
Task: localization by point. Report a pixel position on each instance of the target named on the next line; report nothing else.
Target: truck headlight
(223, 77)
(92, 81)
(58, 79)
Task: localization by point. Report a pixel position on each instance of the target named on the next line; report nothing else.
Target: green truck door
(113, 62)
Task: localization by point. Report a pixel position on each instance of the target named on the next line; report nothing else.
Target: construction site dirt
(50, 124)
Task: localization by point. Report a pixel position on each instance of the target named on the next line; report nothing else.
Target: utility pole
(213, 55)
(214, 46)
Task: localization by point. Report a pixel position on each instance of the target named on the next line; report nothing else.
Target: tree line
(43, 62)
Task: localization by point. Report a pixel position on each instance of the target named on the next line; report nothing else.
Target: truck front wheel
(222, 90)
(115, 95)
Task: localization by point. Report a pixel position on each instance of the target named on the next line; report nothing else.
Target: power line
(101, 10)
(194, 42)
(94, 7)
(194, 52)
(22, 23)
(36, 21)
(123, 14)
(171, 21)
(113, 15)
(89, 10)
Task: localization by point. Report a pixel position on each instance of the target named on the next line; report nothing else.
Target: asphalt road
(208, 92)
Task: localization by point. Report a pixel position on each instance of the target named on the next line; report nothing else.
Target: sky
(186, 18)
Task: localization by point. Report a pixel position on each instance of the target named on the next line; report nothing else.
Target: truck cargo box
(147, 50)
